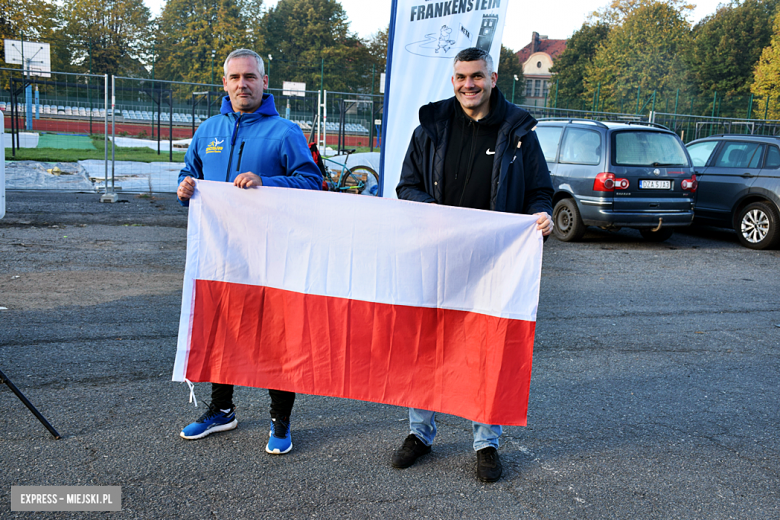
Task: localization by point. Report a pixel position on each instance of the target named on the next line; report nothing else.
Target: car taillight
(690, 184)
(606, 181)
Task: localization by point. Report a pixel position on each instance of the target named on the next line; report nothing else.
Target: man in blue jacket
(249, 145)
(474, 150)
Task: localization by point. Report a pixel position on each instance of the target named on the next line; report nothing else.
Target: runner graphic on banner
(425, 36)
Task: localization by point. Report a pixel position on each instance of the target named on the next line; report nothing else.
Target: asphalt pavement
(654, 393)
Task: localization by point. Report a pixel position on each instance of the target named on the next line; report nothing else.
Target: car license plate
(655, 185)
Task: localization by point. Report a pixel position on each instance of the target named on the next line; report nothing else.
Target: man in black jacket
(474, 150)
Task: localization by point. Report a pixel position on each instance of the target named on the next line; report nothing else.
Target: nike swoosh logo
(488, 152)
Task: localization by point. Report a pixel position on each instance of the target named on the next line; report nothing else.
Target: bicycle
(357, 180)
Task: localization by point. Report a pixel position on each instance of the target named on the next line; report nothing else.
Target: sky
(556, 19)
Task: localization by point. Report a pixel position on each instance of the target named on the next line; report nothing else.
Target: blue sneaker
(279, 440)
(214, 420)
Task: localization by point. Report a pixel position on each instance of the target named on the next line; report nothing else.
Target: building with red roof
(537, 59)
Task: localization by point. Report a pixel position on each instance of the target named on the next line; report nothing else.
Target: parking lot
(655, 389)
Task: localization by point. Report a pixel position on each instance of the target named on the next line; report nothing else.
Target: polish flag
(381, 300)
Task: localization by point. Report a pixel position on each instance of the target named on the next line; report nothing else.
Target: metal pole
(28, 404)
(105, 128)
(750, 107)
(194, 97)
(170, 126)
(89, 84)
(676, 101)
(341, 115)
(319, 118)
(324, 120)
(638, 93)
(159, 118)
(13, 117)
(556, 92)
(714, 101)
(113, 129)
(110, 196)
(513, 89)
(371, 127)
(766, 108)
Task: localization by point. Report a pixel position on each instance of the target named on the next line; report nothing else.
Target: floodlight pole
(213, 55)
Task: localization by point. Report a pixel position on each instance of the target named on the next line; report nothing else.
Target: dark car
(614, 175)
(739, 186)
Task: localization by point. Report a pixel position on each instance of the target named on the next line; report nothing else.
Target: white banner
(424, 39)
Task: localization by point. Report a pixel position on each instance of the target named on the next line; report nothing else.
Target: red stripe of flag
(457, 362)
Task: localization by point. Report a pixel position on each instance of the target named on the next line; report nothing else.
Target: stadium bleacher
(144, 116)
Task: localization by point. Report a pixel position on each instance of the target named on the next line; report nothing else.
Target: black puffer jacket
(520, 182)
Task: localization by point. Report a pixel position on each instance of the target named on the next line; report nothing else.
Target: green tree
(252, 17)
(569, 67)
(377, 50)
(509, 67)
(189, 30)
(618, 11)
(766, 76)
(727, 45)
(113, 33)
(643, 52)
(299, 34)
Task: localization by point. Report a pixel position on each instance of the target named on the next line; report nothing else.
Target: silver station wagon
(615, 175)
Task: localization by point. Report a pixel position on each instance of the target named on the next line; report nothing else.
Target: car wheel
(567, 220)
(756, 226)
(656, 236)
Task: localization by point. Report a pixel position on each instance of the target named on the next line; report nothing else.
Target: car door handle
(747, 175)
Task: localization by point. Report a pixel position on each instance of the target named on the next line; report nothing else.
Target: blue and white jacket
(261, 142)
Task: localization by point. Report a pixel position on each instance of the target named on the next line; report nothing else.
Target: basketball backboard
(291, 88)
(33, 56)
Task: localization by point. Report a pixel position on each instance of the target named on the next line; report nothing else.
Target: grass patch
(141, 154)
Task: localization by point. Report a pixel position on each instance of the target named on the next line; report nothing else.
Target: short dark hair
(474, 54)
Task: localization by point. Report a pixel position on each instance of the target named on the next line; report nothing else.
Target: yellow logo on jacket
(214, 146)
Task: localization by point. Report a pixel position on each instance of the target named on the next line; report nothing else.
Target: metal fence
(687, 126)
(171, 111)
(67, 118)
(54, 119)
(677, 101)
(143, 132)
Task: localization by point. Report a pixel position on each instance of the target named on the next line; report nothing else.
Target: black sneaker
(488, 465)
(411, 450)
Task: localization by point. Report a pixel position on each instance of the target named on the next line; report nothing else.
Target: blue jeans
(422, 423)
